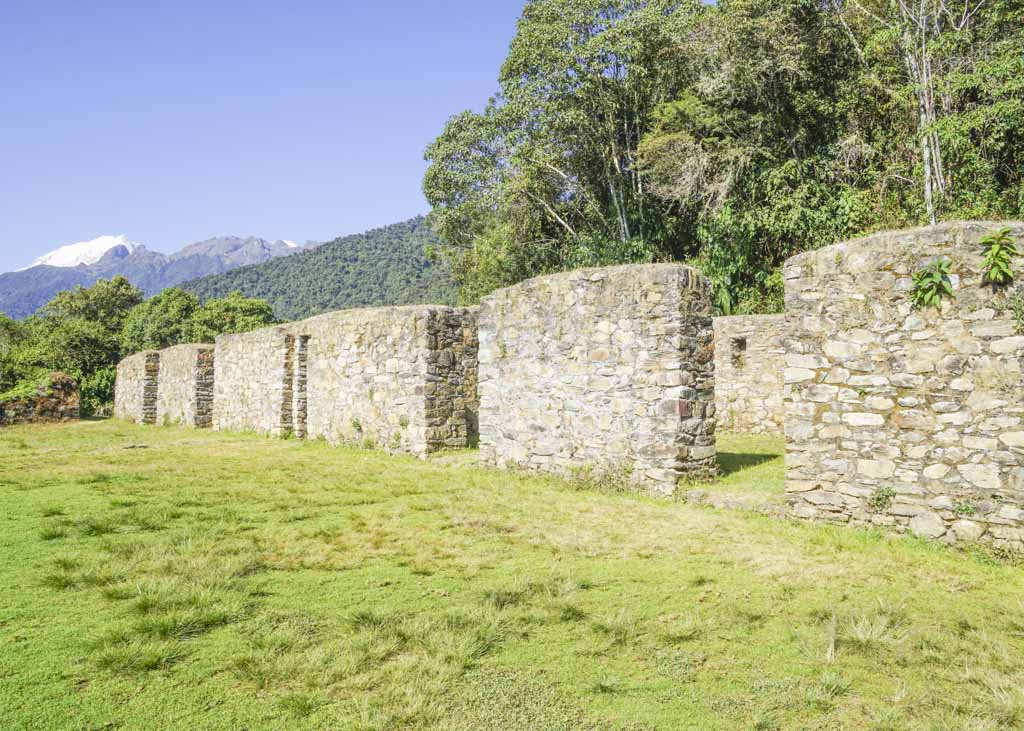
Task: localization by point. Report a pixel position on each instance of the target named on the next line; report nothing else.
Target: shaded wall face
(749, 361)
(254, 382)
(401, 378)
(903, 417)
(136, 388)
(185, 389)
(607, 369)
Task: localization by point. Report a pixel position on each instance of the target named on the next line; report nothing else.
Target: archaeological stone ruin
(607, 369)
(904, 417)
(908, 418)
(54, 401)
(750, 357)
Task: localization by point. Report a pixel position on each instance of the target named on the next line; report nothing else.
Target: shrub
(931, 284)
(999, 252)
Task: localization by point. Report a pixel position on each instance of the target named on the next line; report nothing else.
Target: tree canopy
(86, 331)
(730, 136)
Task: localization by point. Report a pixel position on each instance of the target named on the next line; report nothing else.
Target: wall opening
(738, 350)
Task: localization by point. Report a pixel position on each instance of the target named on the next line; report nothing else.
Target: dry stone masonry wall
(185, 386)
(252, 382)
(601, 369)
(750, 355)
(403, 378)
(136, 388)
(899, 417)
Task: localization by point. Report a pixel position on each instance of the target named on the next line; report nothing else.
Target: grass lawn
(166, 578)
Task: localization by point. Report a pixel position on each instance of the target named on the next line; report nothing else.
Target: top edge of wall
(598, 274)
(959, 232)
(364, 313)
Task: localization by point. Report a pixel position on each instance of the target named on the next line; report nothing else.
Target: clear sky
(174, 121)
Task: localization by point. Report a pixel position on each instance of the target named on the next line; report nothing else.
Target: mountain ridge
(25, 291)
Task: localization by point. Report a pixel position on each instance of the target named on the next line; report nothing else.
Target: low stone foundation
(906, 418)
(609, 370)
(56, 401)
(750, 355)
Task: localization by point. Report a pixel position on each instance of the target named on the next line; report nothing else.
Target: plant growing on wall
(999, 252)
(931, 284)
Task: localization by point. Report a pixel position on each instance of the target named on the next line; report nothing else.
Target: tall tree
(546, 177)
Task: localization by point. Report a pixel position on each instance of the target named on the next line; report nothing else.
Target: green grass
(222, 582)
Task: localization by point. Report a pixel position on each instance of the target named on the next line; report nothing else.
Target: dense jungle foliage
(730, 136)
(385, 266)
(85, 332)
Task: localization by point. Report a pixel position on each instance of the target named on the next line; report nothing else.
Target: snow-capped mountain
(83, 252)
(23, 292)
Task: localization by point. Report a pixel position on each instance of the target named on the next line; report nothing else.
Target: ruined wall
(403, 378)
(899, 417)
(185, 386)
(609, 369)
(135, 391)
(254, 382)
(55, 401)
(749, 361)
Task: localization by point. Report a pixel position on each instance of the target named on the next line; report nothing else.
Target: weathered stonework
(55, 402)
(603, 369)
(910, 419)
(252, 385)
(750, 355)
(403, 378)
(136, 389)
(185, 387)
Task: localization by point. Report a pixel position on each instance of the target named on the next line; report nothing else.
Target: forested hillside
(385, 266)
(729, 135)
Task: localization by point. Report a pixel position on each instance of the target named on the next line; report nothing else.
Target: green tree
(159, 322)
(546, 177)
(231, 314)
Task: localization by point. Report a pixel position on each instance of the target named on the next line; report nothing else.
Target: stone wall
(135, 392)
(403, 378)
(912, 419)
(55, 401)
(253, 385)
(604, 369)
(185, 386)
(749, 360)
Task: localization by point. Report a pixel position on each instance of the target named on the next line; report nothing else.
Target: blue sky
(171, 122)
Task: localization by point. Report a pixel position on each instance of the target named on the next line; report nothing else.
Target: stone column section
(608, 370)
(911, 419)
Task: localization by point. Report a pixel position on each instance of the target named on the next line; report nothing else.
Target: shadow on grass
(732, 462)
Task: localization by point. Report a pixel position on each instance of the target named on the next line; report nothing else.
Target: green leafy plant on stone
(998, 262)
(931, 284)
(357, 426)
(404, 422)
(965, 508)
(881, 499)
